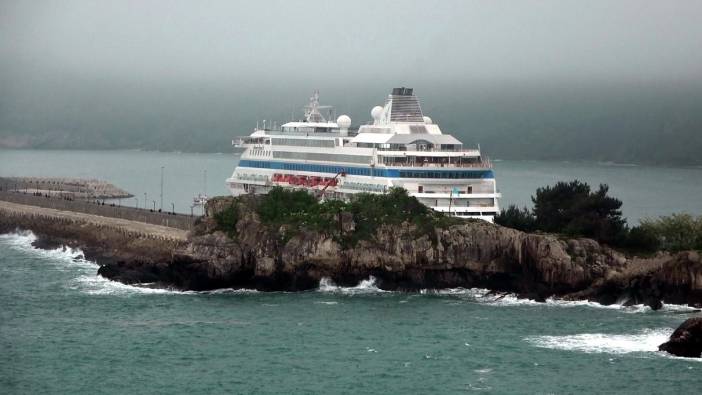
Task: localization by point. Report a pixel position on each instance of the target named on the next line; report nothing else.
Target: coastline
(469, 255)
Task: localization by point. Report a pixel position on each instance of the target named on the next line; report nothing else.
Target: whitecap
(19, 238)
(485, 296)
(367, 286)
(237, 291)
(87, 280)
(22, 241)
(98, 285)
(646, 340)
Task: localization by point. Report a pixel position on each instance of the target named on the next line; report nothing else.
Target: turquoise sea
(65, 330)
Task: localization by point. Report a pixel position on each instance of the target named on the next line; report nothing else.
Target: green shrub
(641, 238)
(284, 206)
(676, 232)
(299, 210)
(516, 218)
(226, 220)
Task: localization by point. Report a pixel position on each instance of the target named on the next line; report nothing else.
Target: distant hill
(627, 124)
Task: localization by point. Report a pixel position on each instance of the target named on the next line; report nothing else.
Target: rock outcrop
(468, 254)
(686, 341)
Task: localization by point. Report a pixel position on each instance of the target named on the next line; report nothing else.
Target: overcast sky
(363, 41)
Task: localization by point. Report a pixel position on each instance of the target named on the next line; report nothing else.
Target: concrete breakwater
(102, 239)
(76, 188)
(179, 221)
(41, 219)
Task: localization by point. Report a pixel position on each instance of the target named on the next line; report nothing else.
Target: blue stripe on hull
(367, 171)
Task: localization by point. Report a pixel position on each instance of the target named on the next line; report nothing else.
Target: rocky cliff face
(471, 254)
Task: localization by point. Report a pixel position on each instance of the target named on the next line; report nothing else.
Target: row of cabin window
(306, 167)
(304, 142)
(442, 174)
(361, 171)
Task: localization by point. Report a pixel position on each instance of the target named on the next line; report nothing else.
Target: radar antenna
(312, 110)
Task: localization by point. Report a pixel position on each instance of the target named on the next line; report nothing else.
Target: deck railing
(484, 164)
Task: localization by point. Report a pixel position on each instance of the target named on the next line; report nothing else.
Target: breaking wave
(485, 296)
(368, 286)
(646, 340)
(86, 279)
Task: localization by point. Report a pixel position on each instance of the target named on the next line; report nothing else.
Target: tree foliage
(226, 220)
(299, 210)
(641, 238)
(516, 218)
(572, 208)
(676, 232)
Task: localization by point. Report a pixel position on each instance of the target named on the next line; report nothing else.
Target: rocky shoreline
(469, 254)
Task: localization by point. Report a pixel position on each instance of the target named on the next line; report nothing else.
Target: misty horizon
(537, 80)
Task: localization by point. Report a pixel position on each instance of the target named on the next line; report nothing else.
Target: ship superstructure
(400, 147)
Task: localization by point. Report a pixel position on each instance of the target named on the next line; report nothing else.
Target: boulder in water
(686, 341)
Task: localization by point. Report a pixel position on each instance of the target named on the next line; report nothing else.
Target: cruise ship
(399, 147)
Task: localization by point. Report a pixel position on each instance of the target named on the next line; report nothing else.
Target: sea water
(63, 329)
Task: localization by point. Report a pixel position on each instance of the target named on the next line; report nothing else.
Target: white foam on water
(98, 285)
(646, 340)
(61, 257)
(67, 258)
(367, 286)
(87, 280)
(485, 296)
(18, 239)
(237, 291)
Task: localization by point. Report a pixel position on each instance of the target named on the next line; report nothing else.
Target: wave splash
(86, 279)
(485, 296)
(646, 340)
(22, 241)
(368, 286)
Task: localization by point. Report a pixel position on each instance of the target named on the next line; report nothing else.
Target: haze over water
(617, 81)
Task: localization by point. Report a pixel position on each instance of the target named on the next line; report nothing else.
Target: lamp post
(161, 205)
(173, 207)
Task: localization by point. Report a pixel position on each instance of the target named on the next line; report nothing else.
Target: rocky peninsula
(243, 243)
(468, 253)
